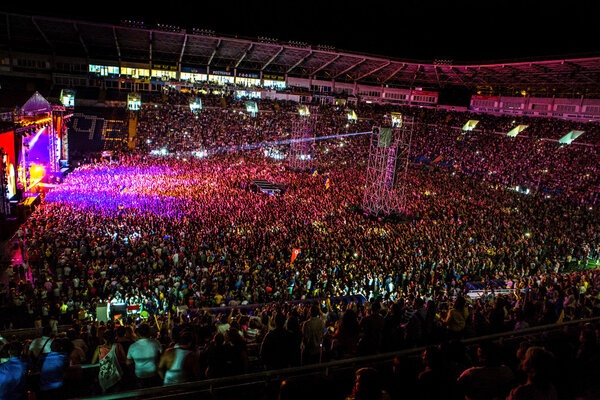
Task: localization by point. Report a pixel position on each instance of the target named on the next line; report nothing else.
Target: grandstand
(129, 57)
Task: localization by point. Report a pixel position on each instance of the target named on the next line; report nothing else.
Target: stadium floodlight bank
(470, 125)
(515, 131)
(569, 137)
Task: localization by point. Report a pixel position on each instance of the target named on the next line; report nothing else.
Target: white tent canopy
(36, 104)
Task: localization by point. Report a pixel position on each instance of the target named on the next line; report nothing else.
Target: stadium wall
(575, 109)
(107, 75)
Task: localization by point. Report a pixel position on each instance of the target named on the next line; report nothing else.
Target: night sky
(412, 30)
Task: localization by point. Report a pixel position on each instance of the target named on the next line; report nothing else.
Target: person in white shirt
(42, 344)
(144, 353)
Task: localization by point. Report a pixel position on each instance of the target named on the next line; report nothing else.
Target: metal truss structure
(300, 156)
(4, 203)
(54, 143)
(53, 120)
(387, 169)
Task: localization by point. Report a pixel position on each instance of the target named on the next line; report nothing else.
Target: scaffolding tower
(4, 201)
(387, 168)
(301, 156)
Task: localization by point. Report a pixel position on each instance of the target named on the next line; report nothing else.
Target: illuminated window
(157, 73)
(104, 70)
(135, 72)
(510, 104)
(274, 84)
(186, 76)
(245, 94)
(247, 81)
(221, 80)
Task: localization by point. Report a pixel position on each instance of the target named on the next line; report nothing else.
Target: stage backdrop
(7, 143)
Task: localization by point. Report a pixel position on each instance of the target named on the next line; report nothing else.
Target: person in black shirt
(278, 348)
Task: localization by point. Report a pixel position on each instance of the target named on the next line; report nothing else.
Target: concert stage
(34, 154)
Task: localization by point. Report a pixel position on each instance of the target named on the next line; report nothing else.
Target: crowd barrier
(334, 300)
(28, 333)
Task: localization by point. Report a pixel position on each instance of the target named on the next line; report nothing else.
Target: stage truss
(387, 168)
(301, 157)
(54, 121)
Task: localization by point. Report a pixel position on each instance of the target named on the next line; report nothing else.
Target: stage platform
(262, 186)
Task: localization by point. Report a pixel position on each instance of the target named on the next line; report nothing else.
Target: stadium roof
(97, 42)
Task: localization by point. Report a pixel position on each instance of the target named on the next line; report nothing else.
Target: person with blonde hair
(456, 319)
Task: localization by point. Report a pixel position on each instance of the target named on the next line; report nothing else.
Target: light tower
(300, 157)
(387, 168)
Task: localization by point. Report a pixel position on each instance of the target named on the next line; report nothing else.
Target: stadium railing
(28, 333)
(258, 382)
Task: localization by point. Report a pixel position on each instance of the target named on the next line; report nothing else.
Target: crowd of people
(206, 266)
(140, 355)
(532, 160)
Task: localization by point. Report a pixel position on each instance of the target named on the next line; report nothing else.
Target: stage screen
(39, 157)
(396, 120)
(303, 111)
(251, 107)
(67, 97)
(38, 147)
(134, 101)
(196, 105)
(7, 143)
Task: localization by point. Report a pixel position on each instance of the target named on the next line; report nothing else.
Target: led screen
(196, 105)
(251, 107)
(134, 101)
(396, 120)
(7, 144)
(67, 98)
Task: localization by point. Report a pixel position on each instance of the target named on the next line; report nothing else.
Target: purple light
(111, 190)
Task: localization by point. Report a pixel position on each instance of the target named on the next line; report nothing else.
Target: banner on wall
(249, 75)
(221, 72)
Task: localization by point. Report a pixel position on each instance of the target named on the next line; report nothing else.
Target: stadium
(186, 213)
